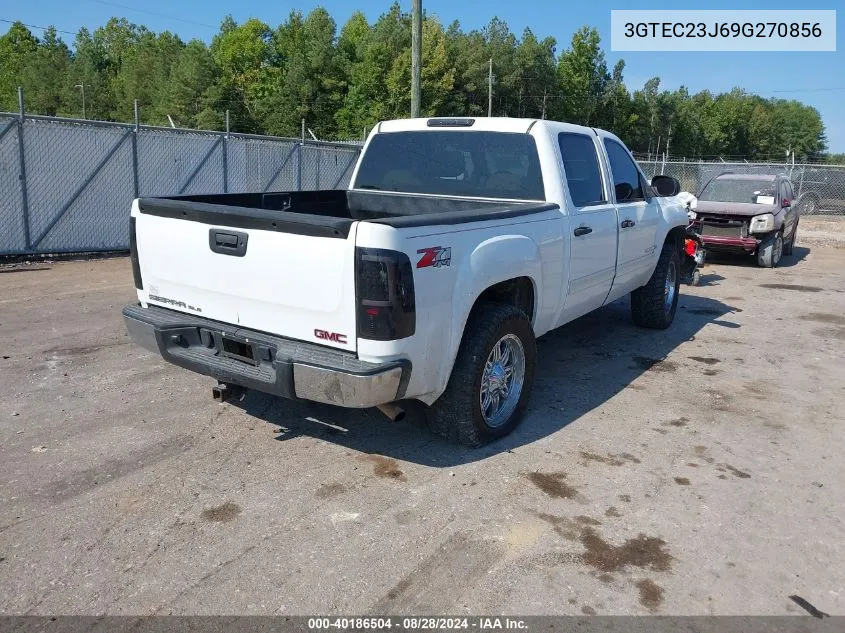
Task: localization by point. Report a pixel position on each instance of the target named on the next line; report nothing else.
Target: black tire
(457, 414)
(649, 303)
(790, 245)
(696, 278)
(770, 251)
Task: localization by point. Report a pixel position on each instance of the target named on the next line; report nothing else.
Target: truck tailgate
(250, 272)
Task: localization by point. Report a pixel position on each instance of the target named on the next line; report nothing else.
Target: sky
(815, 78)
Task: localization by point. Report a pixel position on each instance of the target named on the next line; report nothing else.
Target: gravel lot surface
(693, 471)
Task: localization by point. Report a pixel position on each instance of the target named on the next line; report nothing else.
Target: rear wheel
(491, 380)
(770, 251)
(654, 305)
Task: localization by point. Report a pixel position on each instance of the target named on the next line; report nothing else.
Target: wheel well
(518, 292)
(676, 235)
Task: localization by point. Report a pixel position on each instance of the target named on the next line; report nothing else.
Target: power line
(160, 15)
(33, 26)
(812, 89)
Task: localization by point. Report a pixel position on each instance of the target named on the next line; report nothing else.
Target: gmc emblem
(334, 337)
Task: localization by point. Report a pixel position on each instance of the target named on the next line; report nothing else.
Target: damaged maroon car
(751, 213)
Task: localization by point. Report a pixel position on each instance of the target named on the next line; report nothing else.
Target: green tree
(311, 85)
(90, 68)
(145, 76)
(583, 76)
(360, 76)
(192, 96)
(17, 50)
(269, 79)
(437, 77)
(45, 78)
(249, 65)
(534, 75)
(615, 112)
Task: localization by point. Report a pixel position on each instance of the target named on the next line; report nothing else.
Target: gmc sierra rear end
(428, 279)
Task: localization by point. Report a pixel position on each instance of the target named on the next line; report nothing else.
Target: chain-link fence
(66, 185)
(819, 189)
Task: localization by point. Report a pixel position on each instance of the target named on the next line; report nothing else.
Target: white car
(458, 243)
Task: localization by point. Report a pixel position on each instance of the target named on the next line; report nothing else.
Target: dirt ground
(693, 471)
(822, 230)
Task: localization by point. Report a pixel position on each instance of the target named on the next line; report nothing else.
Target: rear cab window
(499, 165)
(581, 166)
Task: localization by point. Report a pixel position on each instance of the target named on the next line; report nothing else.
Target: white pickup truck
(458, 243)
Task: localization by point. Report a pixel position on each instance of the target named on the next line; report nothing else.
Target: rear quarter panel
(481, 255)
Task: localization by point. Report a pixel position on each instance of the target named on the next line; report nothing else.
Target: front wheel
(654, 305)
(770, 251)
(491, 380)
(789, 246)
(696, 278)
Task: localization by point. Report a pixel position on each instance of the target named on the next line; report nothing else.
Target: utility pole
(490, 90)
(82, 88)
(416, 56)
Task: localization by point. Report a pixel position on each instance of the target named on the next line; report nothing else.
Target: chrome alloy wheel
(502, 380)
(671, 286)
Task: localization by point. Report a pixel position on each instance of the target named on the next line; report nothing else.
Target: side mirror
(623, 191)
(666, 185)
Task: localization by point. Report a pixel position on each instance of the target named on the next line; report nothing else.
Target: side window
(626, 178)
(581, 164)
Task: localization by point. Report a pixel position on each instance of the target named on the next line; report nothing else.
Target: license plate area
(719, 227)
(237, 349)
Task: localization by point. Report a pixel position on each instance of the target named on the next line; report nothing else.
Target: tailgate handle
(227, 242)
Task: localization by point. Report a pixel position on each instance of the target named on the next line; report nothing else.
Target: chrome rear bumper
(279, 366)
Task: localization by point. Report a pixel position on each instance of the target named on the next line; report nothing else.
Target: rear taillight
(133, 255)
(385, 294)
(689, 247)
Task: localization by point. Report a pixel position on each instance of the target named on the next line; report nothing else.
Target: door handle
(627, 224)
(582, 230)
(228, 242)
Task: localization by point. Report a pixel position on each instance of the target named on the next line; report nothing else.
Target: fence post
(801, 183)
(299, 156)
(226, 156)
(22, 176)
(135, 151)
(299, 166)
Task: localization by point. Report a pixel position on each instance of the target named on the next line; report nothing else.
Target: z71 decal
(435, 257)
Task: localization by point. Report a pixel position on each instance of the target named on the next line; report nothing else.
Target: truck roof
(480, 123)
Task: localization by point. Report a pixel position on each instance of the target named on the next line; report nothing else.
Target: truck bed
(330, 213)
